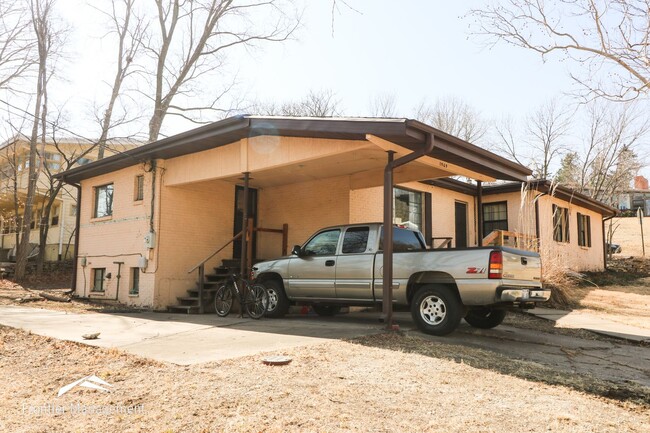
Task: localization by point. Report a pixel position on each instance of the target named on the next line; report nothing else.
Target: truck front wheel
(485, 318)
(436, 309)
(278, 304)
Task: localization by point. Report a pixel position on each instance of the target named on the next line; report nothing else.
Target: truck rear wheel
(436, 309)
(485, 318)
(277, 303)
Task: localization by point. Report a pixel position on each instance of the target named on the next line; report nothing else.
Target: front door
(239, 214)
(461, 225)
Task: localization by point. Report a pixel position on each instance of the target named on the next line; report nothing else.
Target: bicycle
(253, 298)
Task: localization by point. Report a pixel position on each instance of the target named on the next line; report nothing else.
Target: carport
(266, 152)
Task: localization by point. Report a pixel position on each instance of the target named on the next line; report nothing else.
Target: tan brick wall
(306, 207)
(119, 238)
(196, 220)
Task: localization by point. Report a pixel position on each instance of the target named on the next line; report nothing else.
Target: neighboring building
(14, 167)
(638, 197)
(165, 207)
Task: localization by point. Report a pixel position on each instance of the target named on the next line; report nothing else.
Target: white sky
(419, 50)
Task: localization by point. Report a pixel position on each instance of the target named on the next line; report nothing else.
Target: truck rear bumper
(519, 294)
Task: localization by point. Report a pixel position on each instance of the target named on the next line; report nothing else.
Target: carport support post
(479, 212)
(244, 240)
(387, 278)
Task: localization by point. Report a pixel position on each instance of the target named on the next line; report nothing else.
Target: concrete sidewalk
(600, 324)
(185, 339)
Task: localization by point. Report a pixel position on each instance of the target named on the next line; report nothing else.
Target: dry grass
(387, 383)
(627, 233)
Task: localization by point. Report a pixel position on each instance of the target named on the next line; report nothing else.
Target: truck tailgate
(518, 266)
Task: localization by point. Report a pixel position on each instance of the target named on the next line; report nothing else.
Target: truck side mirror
(296, 251)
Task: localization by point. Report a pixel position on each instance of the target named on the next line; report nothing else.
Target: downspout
(605, 241)
(387, 278)
(76, 236)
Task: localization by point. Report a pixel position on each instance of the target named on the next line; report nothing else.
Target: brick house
(152, 214)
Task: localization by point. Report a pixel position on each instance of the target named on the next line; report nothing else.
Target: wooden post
(201, 286)
(244, 239)
(479, 212)
(285, 239)
(640, 213)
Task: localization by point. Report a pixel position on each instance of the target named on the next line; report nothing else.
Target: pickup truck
(342, 266)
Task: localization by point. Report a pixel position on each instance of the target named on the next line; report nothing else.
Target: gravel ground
(373, 385)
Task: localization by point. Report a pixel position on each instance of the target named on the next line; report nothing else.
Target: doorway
(461, 224)
(239, 214)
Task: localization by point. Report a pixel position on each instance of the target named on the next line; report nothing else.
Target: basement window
(135, 281)
(103, 201)
(584, 230)
(98, 279)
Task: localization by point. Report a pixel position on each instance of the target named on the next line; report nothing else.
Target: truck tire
(436, 309)
(326, 310)
(278, 303)
(485, 318)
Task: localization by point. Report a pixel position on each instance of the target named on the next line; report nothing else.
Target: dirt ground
(627, 233)
(382, 383)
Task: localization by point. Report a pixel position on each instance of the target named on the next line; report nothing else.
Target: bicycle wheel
(223, 300)
(256, 301)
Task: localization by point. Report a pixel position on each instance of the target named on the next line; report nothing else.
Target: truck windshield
(403, 240)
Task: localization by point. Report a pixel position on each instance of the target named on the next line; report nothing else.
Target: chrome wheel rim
(272, 302)
(433, 310)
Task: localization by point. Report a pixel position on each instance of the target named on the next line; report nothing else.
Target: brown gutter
(387, 278)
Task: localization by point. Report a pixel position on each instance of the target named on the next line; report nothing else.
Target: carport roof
(405, 132)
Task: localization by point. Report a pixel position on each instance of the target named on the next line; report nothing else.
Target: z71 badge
(473, 270)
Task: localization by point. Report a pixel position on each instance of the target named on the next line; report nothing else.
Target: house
(638, 197)
(14, 170)
(153, 221)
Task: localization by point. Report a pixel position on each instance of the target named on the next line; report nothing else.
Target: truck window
(323, 244)
(403, 240)
(355, 240)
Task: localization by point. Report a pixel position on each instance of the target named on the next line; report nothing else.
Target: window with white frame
(103, 201)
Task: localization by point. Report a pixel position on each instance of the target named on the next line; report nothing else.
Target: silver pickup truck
(342, 266)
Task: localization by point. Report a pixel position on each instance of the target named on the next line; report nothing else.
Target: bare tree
(16, 47)
(547, 128)
(321, 103)
(193, 39)
(384, 105)
(130, 30)
(609, 40)
(47, 40)
(507, 141)
(453, 116)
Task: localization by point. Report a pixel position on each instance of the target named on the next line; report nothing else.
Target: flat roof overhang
(409, 134)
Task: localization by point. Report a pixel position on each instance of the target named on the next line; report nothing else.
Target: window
(135, 281)
(323, 244)
(83, 161)
(495, 217)
(103, 201)
(73, 210)
(55, 216)
(139, 188)
(404, 240)
(584, 230)
(355, 240)
(98, 279)
(408, 208)
(560, 224)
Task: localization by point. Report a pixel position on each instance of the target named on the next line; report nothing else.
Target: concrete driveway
(188, 339)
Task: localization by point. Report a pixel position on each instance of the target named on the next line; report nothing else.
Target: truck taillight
(496, 265)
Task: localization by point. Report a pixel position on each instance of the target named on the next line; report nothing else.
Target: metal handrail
(234, 238)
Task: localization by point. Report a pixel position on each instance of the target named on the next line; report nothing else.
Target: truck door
(312, 274)
(354, 265)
